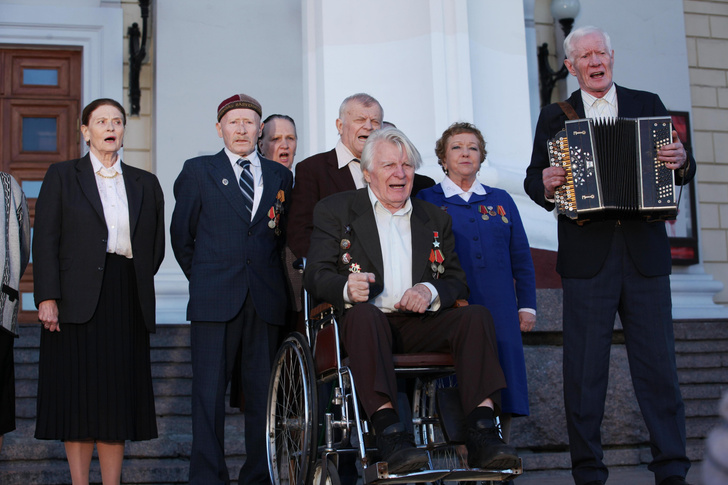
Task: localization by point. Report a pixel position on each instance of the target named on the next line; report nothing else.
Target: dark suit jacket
(69, 238)
(318, 177)
(583, 249)
(326, 274)
(223, 254)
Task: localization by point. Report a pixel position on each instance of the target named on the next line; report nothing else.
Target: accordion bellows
(612, 169)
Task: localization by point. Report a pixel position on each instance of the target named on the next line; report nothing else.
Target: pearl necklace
(107, 176)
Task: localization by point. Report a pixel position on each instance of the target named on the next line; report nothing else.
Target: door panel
(40, 106)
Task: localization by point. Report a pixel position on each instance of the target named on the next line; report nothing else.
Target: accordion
(612, 169)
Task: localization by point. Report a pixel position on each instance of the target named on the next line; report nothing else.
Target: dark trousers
(371, 337)
(645, 309)
(214, 346)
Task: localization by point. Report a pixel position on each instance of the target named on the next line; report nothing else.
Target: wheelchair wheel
(292, 413)
(332, 475)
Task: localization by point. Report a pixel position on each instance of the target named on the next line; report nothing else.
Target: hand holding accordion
(612, 170)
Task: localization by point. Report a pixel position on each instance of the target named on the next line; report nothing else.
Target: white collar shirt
(395, 239)
(255, 169)
(345, 158)
(604, 107)
(112, 191)
(450, 188)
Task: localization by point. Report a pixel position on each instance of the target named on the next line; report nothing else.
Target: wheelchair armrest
(322, 311)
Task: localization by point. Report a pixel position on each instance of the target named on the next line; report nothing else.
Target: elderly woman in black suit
(98, 241)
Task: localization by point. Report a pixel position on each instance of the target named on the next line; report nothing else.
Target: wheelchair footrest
(378, 473)
(481, 474)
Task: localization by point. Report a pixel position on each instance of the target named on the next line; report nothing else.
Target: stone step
(163, 387)
(684, 347)
(175, 438)
(697, 330)
(134, 471)
(159, 370)
(702, 360)
(695, 408)
(702, 391)
(715, 376)
(702, 357)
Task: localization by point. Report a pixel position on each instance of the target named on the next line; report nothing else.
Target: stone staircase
(702, 361)
(702, 357)
(165, 460)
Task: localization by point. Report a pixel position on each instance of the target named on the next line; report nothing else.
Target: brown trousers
(370, 338)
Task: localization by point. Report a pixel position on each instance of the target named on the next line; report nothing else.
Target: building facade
(429, 63)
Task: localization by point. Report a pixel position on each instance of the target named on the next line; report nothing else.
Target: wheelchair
(304, 448)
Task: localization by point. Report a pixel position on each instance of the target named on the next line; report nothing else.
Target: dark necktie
(246, 184)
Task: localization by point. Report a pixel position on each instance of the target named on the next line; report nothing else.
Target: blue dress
(494, 252)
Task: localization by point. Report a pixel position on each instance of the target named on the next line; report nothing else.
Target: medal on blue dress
(502, 213)
(484, 212)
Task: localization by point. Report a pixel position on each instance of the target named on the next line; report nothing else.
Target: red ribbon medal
(502, 213)
(484, 211)
(436, 257)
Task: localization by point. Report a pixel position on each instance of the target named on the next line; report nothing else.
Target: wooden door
(40, 106)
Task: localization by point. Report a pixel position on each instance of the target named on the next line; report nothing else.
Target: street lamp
(565, 11)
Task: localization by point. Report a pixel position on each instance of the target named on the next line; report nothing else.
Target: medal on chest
(436, 256)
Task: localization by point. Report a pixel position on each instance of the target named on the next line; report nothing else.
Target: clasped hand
(48, 315)
(415, 299)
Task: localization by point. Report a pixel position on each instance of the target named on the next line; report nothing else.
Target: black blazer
(349, 215)
(69, 238)
(583, 249)
(317, 177)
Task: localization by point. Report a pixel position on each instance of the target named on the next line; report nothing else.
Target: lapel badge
(354, 268)
(345, 244)
(346, 258)
(224, 181)
(491, 212)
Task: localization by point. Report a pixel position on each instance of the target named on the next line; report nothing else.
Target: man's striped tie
(246, 184)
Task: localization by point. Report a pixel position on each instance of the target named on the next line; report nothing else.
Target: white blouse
(112, 191)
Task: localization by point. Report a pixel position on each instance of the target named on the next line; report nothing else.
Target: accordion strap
(568, 110)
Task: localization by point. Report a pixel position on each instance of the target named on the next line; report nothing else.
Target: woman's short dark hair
(97, 103)
(456, 129)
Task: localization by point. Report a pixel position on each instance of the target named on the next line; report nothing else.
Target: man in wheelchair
(388, 264)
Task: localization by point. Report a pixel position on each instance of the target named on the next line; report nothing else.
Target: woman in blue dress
(494, 252)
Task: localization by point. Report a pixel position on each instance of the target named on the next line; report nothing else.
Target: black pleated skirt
(95, 380)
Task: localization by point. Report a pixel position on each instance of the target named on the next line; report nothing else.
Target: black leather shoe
(674, 480)
(397, 448)
(486, 449)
